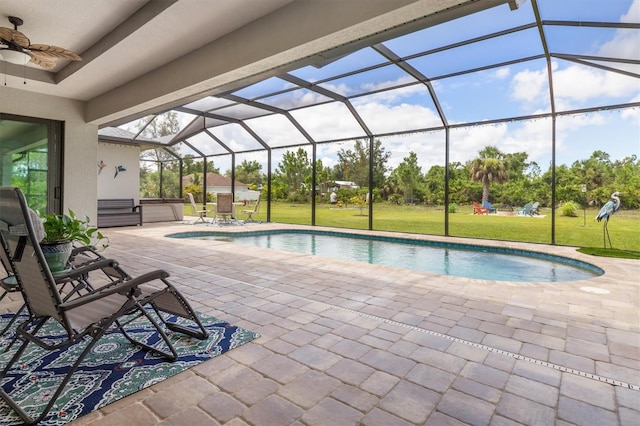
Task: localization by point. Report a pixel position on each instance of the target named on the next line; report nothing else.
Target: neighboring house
(217, 183)
(337, 184)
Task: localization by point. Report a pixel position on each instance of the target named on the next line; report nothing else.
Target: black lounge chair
(85, 318)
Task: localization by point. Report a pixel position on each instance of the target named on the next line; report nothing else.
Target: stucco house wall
(118, 171)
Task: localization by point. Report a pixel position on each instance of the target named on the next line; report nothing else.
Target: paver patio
(345, 343)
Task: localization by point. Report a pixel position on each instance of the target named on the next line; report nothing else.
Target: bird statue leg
(606, 228)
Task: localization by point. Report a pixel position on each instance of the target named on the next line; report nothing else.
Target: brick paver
(346, 343)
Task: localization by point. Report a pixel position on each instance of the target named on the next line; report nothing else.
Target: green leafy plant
(570, 209)
(453, 208)
(359, 201)
(69, 227)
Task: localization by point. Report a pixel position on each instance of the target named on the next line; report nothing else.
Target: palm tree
(489, 167)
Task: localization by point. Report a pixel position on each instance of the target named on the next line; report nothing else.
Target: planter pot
(57, 254)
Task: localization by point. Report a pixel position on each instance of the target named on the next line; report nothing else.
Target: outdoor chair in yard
(479, 210)
(490, 208)
(527, 210)
(251, 212)
(224, 207)
(201, 213)
(84, 319)
(535, 208)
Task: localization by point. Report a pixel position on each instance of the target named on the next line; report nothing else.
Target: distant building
(217, 183)
(337, 184)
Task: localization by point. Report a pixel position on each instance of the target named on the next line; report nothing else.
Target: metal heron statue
(608, 210)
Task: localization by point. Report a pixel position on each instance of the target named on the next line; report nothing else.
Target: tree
(354, 165)
(489, 167)
(292, 172)
(409, 175)
(434, 185)
(249, 172)
(159, 126)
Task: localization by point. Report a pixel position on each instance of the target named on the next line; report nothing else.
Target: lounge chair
(10, 284)
(535, 207)
(479, 210)
(224, 207)
(85, 318)
(201, 213)
(251, 212)
(491, 209)
(527, 210)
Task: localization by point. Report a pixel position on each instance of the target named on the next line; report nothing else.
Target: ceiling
(121, 40)
(143, 55)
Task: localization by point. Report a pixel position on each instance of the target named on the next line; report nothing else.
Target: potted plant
(61, 231)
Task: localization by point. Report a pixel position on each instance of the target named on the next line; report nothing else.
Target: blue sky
(513, 90)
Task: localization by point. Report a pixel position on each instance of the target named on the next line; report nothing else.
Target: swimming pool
(462, 260)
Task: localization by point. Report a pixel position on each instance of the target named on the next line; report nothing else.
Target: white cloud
(502, 73)
(577, 84)
(328, 121)
(633, 13)
(382, 118)
(530, 86)
(370, 87)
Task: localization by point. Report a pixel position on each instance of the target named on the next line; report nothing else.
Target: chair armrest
(85, 269)
(84, 254)
(122, 287)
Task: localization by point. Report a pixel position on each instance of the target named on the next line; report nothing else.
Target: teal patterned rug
(114, 368)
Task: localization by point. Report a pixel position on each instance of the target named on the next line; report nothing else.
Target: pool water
(460, 260)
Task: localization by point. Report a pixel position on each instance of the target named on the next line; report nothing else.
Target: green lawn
(584, 230)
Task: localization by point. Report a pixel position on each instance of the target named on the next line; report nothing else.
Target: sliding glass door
(30, 158)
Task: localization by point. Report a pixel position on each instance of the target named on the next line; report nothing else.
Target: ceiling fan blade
(45, 50)
(6, 34)
(14, 36)
(44, 62)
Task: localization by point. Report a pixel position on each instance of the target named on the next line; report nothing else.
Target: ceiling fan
(43, 55)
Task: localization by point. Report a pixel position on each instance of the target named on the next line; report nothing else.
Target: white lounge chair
(201, 213)
(251, 212)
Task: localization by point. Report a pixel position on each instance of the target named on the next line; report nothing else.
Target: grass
(582, 231)
(621, 254)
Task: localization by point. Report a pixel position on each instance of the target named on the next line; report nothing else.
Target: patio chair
(201, 213)
(87, 317)
(251, 212)
(527, 210)
(224, 206)
(479, 210)
(490, 208)
(10, 283)
(535, 207)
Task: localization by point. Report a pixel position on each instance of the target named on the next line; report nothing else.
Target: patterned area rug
(114, 368)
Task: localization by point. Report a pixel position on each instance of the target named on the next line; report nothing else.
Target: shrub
(453, 208)
(570, 209)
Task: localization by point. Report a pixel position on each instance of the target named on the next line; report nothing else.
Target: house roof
(213, 179)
